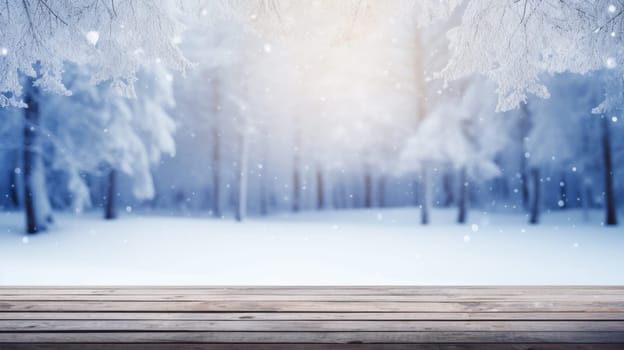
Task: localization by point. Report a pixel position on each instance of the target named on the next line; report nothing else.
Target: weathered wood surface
(489, 318)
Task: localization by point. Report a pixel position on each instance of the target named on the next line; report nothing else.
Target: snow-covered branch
(515, 42)
(115, 38)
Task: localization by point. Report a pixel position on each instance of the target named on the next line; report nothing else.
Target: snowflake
(93, 37)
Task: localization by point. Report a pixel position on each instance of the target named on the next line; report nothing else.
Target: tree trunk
(216, 171)
(524, 125)
(13, 194)
(587, 195)
(296, 200)
(381, 191)
(36, 201)
(425, 196)
(534, 217)
(263, 171)
(421, 98)
(320, 190)
(368, 190)
(296, 189)
(611, 218)
(462, 200)
(586, 185)
(341, 195)
(264, 192)
(448, 190)
(525, 183)
(296, 176)
(110, 209)
(241, 201)
(416, 197)
(216, 150)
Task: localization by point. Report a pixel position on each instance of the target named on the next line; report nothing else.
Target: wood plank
(315, 337)
(143, 290)
(321, 316)
(396, 292)
(238, 346)
(311, 316)
(307, 326)
(332, 298)
(295, 306)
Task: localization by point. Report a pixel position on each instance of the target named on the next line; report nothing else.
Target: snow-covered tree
(463, 133)
(515, 42)
(36, 202)
(115, 38)
(552, 147)
(94, 132)
(612, 104)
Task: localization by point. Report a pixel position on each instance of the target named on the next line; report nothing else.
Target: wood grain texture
(353, 337)
(306, 326)
(225, 305)
(309, 316)
(273, 346)
(312, 317)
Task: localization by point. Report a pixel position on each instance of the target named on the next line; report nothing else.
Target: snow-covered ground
(335, 247)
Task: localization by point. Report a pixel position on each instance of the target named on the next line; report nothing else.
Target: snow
(43, 39)
(516, 43)
(93, 37)
(370, 247)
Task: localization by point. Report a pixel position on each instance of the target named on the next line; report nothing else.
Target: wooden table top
(346, 317)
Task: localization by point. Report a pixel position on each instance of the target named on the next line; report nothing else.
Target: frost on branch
(515, 42)
(114, 37)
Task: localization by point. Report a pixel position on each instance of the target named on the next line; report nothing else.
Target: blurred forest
(335, 111)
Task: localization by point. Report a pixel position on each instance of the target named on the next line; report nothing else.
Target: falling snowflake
(92, 37)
